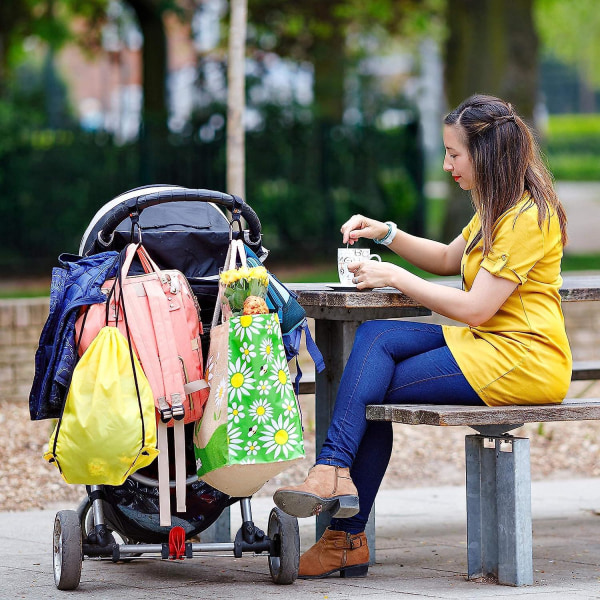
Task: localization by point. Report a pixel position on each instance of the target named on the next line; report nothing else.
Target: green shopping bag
(251, 429)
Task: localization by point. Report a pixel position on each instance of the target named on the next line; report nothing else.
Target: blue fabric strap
(313, 349)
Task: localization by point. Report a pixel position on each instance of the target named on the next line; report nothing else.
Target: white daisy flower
(289, 406)
(263, 387)
(210, 367)
(261, 410)
(266, 349)
(241, 379)
(220, 395)
(280, 377)
(248, 461)
(236, 412)
(246, 326)
(280, 437)
(252, 448)
(271, 325)
(234, 439)
(198, 464)
(247, 351)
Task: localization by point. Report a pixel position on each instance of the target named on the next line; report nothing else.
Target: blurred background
(343, 107)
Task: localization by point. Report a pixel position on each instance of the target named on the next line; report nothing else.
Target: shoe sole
(354, 571)
(302, 504)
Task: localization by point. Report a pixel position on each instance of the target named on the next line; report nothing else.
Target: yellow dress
(522, 354)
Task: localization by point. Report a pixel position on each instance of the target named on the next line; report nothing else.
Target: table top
(332, 301)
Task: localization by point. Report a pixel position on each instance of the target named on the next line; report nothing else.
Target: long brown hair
(506, 163)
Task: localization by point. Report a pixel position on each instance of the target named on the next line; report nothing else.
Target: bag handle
(148, 264)
(236, 248)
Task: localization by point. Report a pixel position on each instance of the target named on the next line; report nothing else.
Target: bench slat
(450, 415)
(583, 370)
(586, 369)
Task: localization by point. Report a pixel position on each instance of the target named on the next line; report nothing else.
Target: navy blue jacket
(75, 283)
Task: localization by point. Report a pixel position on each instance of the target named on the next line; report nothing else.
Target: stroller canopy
(181, 228)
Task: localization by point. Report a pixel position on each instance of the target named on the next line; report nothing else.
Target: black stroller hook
(136, 229)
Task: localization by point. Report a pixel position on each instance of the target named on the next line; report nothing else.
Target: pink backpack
(163, 318)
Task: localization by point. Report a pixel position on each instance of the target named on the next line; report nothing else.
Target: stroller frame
(88, 531)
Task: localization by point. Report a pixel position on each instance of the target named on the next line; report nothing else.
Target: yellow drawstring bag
(108, 426)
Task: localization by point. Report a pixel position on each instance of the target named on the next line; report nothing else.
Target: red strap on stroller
(177, 543)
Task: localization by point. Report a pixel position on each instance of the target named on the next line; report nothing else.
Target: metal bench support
(499, 531)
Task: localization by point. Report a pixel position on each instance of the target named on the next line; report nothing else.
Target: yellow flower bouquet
(238, 285)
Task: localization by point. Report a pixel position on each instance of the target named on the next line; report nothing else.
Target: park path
(582, 204)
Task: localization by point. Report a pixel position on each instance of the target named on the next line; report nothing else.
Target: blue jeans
(392, 362)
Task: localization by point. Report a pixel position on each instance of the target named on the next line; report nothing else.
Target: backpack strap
(170, 368)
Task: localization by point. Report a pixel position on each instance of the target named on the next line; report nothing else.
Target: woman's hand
(374, 274)
(357, 227)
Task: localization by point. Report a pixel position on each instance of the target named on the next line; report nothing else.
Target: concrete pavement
(582, 205)
(421, 553)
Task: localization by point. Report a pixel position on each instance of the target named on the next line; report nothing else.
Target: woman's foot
(336, 551)
(327, 488)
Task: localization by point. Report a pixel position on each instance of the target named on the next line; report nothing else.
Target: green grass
(581, 262)
(321, 273)
(574, 126)
(329, 274)
(574, 166)
(572, 147)
(16, 292)
(324, 273)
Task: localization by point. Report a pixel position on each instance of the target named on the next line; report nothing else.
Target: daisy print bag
(251, 428)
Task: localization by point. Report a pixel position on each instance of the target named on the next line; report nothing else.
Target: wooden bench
(339, 312)
(498, 477)
(586, 370)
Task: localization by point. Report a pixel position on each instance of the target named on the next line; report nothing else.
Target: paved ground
(421, 548)
(421, 553)
(582, 204)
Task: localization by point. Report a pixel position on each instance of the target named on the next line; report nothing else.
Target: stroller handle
(138, 203)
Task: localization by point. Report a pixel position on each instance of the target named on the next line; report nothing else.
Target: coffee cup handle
(375, 256)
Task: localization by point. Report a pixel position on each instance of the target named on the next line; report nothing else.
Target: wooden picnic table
(338, 311)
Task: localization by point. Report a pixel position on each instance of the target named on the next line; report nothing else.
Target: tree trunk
(329, 60)
(492, 48)
(236, 99)
(154, 129)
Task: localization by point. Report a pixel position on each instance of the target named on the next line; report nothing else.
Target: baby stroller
(182, 229)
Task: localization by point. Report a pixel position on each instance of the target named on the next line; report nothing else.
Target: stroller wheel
(67, 556)
(86, 520)
(284, 561)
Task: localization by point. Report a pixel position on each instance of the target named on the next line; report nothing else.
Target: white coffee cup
(347, 256)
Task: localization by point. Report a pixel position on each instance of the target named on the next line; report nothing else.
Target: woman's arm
(487, 294)
(431, 256)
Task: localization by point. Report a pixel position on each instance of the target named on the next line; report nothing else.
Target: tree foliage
(570, 32)
(491, 48)
(49, 21)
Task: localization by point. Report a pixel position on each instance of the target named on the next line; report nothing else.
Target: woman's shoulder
(526, 210)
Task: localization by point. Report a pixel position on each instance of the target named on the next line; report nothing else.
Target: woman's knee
(370, 331)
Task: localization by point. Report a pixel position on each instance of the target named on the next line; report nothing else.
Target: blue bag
(292, 318)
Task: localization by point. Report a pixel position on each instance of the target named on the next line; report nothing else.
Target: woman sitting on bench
(514, 350)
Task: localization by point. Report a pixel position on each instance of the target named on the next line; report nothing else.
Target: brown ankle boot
(336, 551)
(327, 488)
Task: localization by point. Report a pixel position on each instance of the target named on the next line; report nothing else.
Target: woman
(514, 349)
